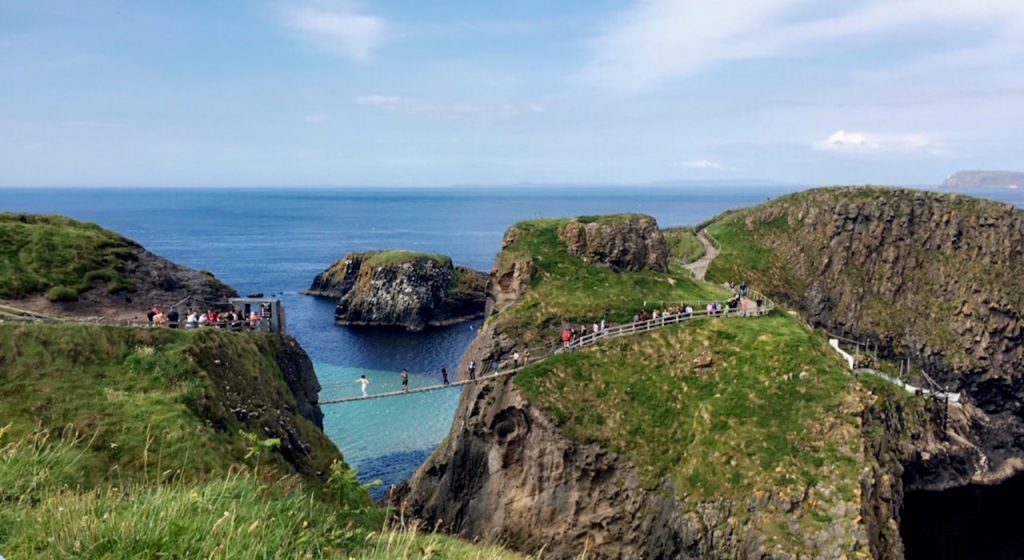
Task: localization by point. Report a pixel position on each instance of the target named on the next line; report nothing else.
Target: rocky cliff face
(399, 289)
(929, 276)
(922, 275)
(507, 473)
(628, 243)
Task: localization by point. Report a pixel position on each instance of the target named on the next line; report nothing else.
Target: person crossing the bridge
(363, 384)
(515, 359)
(472, 369)
(444, 376)
(405, 381)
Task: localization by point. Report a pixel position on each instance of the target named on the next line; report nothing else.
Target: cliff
(735, 438)
(985, 180)
(925, 276)
(399, 288)
(58, 266)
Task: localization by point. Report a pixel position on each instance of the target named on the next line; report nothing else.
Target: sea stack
(401, 289)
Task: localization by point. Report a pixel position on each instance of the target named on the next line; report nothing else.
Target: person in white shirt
(363, 384)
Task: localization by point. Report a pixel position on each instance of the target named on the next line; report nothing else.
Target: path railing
(753, 310)
(936, 391)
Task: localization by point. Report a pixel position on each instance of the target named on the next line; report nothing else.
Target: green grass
(567, 289)
(150, 396)
(60, 257)
(385, 258)
(683, 244)
(241, 514)
(124, 443)
(774, 412)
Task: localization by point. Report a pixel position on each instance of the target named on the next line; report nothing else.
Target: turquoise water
(276, 241)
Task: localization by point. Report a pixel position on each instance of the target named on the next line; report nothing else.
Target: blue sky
(340, 92)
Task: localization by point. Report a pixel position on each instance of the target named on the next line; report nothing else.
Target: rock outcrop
(508, 473)
(63, 267)
(921, 275)
(623, 243)
(929, 276)
(395, 288)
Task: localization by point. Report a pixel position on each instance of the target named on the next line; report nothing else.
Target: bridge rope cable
(616, 331)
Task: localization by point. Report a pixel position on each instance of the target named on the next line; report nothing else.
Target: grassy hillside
(567, 289)
(723, 408)
(933, 275)
(59, 256)
(683, 244)
(138, 443)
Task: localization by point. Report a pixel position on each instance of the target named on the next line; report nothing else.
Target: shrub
(62, 293)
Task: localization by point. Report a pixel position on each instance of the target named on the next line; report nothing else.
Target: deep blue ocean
(276, 241)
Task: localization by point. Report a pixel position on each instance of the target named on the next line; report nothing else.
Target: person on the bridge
(526, 356)
(515, 359)
(405, 381)
(363, 384)
(173, 317)
(566, 337)
(472, 369)
(444, 375)
(743, 289)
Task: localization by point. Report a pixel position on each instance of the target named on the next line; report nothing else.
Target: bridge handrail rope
(583, 342)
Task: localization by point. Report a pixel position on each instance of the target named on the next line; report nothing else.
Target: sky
(468, 92)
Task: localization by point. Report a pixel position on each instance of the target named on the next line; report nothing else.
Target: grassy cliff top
(567, 289)
(41, 253)
(393, 257)
(724, 408)
(128, 443)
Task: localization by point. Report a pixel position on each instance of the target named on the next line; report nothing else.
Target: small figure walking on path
(515, 359)
(472, 369)
(444, 375)
(363, 383)
(405, 381)
(526, 356)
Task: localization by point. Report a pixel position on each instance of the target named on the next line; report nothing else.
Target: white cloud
(339, 29)
(698, 164)
(660, 40)
(449, 110)
(865, 142)
(315, 118)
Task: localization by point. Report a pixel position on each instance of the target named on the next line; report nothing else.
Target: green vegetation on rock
(386, 258)
(59, 256)
(566, 289)
(722, 407)
(683, 244)
(142, 443)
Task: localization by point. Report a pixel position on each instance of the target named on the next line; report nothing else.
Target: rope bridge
(638, 327)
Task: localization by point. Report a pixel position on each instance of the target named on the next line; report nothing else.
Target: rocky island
(401, 288)
(985, 180)
(745, 438)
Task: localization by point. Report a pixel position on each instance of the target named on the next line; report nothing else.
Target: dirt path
(699, 268)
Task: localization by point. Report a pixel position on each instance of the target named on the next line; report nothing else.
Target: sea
(275, 241)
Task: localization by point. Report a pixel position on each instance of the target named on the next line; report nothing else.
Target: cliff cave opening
(978, 522)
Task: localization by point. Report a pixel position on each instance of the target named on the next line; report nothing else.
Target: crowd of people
(193, 319)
